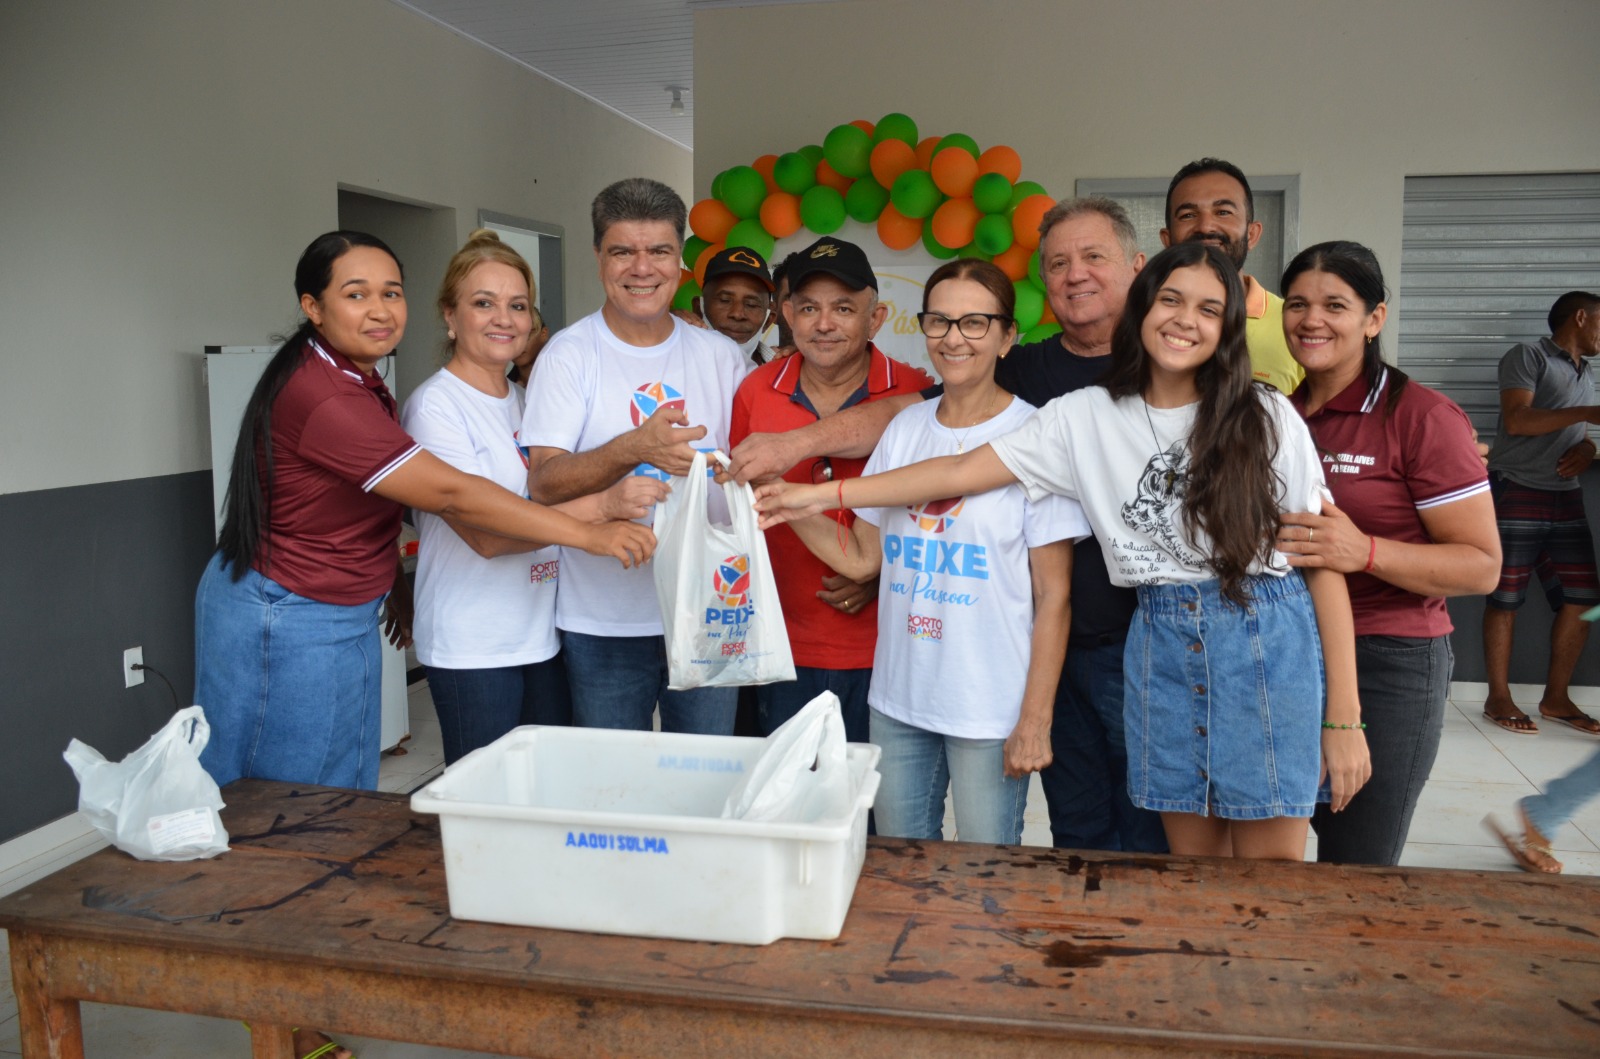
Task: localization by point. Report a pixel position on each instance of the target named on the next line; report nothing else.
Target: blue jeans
(478, 706)
(292, 687)
(1564, 797)
(777, 703)
(1403, 682)
(1086, 785)
(918, 766)
(617, 682)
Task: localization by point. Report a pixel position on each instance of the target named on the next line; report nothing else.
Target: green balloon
(794, 173)
(688, 291)
(1034, 275)
(716, 185)
(933, 246)
(693, 247)
(866, 199)
(961, 140)
(1040, 333)
(971, 250)
(992, 193)
(1023, 189)
(848, 150)
(822, 210)
(749, 233)
(1030, 305)
(915, 194)
(895, 126)
(994, 235)
(743, 188)
(813, 154)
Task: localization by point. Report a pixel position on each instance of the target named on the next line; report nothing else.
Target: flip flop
(1521, 849)
(1578, 722)
(1510, 723)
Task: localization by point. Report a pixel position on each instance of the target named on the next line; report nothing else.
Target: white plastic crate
(619, 833)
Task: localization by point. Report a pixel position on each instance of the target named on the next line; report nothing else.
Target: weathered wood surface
(331, 910)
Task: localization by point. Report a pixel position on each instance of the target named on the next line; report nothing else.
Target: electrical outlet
(133, 656)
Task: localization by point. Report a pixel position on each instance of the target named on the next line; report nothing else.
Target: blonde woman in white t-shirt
(973, 608)
(1184, 467)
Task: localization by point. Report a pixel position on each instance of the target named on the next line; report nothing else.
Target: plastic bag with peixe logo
(719, 601)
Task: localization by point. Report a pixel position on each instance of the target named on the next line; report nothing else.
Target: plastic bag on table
(158, 803)
(719, 600)
(801, 777)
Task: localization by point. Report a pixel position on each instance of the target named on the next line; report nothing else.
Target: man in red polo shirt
(834, 313)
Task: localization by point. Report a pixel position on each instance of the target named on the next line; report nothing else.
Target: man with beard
(1209, 201)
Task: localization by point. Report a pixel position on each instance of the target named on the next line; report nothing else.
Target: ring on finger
(1311, 534)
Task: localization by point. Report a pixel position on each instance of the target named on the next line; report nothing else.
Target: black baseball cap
(845, 262)
(740, 261)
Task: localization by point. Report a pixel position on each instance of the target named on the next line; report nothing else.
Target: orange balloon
(705, 259)
(998, 159)
(891, 158)
(897, 231)
(828, 176)
(925, 151)
(954, 171)
(711, 220)
(955, 221)
(864, 125)
(1049, 316)
(780, 214)
(1013, 262)
(764, 164)
(1026, 217)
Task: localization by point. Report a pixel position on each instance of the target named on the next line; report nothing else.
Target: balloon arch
(923, 200)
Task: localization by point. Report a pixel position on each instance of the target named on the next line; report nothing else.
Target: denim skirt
(1223, 703)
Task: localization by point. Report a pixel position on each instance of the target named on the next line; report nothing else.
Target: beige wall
(1353, 96)
(162, 165)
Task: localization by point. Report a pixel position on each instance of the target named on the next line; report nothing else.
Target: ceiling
(622, 54)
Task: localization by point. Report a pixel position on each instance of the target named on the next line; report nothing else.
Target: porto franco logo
(516, 438)
(731, 582)
(922, 627)
(652, 397)
(936, 515)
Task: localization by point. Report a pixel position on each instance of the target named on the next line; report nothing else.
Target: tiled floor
(1480, 769)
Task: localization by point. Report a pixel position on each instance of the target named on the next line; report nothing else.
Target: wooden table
(330, 911)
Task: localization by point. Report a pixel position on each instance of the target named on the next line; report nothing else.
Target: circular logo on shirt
(731, 581)
(936, 515)
(652, 396)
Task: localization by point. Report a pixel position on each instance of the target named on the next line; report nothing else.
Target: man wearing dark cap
(834, 313)
(737, 300)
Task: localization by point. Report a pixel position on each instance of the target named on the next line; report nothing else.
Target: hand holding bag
(719, 601)
(158, 803)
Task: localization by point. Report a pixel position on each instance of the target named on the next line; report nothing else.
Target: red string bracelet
(840, 522)
(1372, 552)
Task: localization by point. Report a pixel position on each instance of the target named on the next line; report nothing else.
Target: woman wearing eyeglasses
(973, 591)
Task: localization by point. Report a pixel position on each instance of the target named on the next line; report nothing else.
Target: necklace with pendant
(1171, 477)
(961, 439)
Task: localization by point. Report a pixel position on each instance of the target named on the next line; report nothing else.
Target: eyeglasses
(972, 325)
(821, 471)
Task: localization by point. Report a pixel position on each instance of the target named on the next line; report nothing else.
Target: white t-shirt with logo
(955, 596)
(588, 387)
(1128, 464)
(472, 612)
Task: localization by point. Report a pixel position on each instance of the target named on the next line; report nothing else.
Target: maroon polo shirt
(1384, 469)
(334, 437)
(771, 401)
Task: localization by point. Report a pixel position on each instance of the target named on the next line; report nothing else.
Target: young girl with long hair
(1183, 467)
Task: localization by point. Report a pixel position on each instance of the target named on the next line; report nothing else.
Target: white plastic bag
(157, 803)
(801, 777)
(719, 600)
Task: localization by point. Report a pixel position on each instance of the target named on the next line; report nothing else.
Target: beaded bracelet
(1372, 553)
(1341, 727)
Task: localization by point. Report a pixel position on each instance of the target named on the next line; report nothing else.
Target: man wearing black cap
(834, 313)
(737, 300)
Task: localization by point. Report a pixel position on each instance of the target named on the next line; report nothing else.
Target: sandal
(1530, 851)
(1580, 721)
(326, 1050)
(1517, 723)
